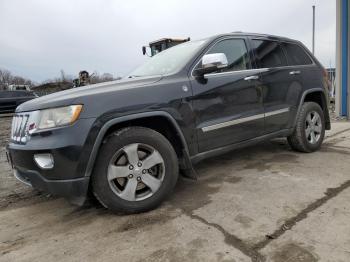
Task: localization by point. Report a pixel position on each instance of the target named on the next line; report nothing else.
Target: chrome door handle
(248, 78)
(294, 72)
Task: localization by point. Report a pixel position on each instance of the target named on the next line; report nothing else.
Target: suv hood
(67, 97)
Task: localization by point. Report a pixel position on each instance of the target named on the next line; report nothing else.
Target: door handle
(248, 78)
(294, 72)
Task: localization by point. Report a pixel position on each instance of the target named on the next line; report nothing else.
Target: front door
(228, 104)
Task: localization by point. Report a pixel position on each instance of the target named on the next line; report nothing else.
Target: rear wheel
(136, 169)
(310, 129)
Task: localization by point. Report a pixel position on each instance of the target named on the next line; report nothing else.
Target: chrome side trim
(256, 71)
(243, 120)
(232, 122)
(276, 112)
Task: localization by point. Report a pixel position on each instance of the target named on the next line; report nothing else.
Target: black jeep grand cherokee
(125, 141)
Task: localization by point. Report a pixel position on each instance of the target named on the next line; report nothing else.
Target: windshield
(169, 61)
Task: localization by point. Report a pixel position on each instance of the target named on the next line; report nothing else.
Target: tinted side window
(296, 55)
(269, 53)
(236, 53)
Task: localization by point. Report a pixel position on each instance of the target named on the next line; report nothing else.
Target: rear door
(228, 103)
(302, 69)
(279, 86)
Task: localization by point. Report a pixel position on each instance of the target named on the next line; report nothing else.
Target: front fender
(105, 127)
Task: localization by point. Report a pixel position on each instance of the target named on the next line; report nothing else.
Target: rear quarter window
(296, 55)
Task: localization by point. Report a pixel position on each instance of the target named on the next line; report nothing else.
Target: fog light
(44, 161)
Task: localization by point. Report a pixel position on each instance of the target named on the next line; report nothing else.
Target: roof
(272, 37)
(236, 33)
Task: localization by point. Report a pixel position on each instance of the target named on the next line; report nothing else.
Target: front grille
(19, 132)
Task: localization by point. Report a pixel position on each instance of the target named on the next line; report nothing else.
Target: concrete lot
(263, 203)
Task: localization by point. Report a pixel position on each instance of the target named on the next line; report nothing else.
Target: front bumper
(75, 190)
(67, 146)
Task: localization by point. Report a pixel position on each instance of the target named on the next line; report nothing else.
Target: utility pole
(313, 30)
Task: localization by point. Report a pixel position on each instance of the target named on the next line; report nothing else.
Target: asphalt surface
(262, 203)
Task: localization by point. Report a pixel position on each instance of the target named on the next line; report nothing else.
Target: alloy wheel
(313, 127)
(136, 172)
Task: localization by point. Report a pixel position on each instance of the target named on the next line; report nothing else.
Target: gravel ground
(12, 192)
(262, 203)
(5, 129)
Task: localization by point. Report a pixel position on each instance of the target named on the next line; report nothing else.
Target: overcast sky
(38, 38)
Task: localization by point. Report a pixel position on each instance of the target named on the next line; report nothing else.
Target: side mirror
(143, 50)
(211, 63)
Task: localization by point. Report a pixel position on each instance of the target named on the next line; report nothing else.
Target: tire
(153, 175)
(308, 136)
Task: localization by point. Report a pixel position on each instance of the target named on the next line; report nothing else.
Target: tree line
(7, 78)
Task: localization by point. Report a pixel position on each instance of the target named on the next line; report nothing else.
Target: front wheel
(136, 169)
(309, 130)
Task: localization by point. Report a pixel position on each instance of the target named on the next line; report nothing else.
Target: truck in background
(162, 44)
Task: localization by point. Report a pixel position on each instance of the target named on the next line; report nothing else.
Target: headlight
(55, 117)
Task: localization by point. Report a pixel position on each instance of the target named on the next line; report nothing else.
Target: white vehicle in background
(18, 87)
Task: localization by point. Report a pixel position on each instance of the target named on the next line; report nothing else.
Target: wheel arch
(170, 129)
(317, 95)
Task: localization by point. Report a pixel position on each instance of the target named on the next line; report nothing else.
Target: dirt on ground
(12, 192)
(262, 203)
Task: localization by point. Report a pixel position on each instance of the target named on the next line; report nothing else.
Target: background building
(342, 101)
